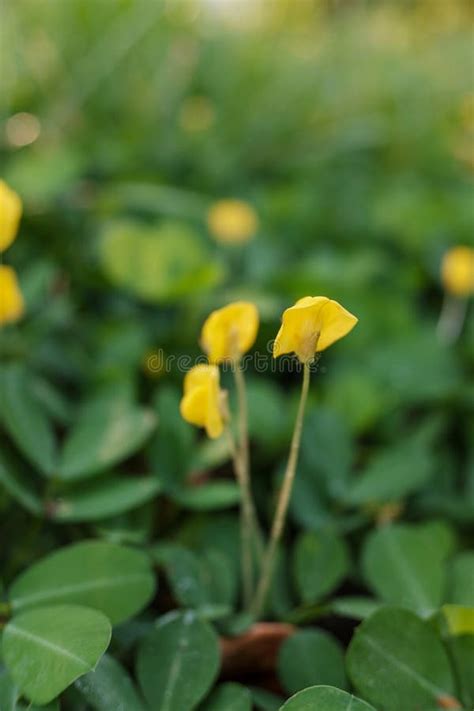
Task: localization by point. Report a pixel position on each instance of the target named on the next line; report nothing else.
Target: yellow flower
(230, 332)
(312, 325)
(201, 404)
(232, 221)
(457, 271)
(10, 213)
(11, 300)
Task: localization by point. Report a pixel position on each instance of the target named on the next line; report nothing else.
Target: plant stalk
(283, 501)
(451, 319)
(249, 506)
(246, 533)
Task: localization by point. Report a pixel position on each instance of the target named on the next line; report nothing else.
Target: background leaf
(25, 420)
(321, 561)
(107, 431)
(178, 662)
(311, 657)
(104, 498)
(396, 660)
(228, 697)
(109, 688)
(325, 698)
(46, 649)
(405, 565)
(111, 578)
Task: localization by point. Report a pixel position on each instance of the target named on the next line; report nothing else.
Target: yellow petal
(311, 325)
(232, 221)
(10, 214)
(201, 402)
(337, 322)
(457, 271)
(201, 374)
(11, 300)
(230, 332)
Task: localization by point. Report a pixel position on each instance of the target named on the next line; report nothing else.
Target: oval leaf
(46, 649)
(104, 498)
(397, 661)
(109, 688)
(405, 567)
(229, 697)
(311, 657)
(325, 698)
(321, 561)
(107, 431)
(114, 579)
(178, 662)
(210, 496)
(25, 420)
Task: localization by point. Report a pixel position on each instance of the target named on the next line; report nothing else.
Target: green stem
(451, 319)
(283, 501)
(245, 529)
(249, 506)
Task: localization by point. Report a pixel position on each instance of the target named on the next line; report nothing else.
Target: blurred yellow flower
(201, 404)
(11, 300)
(457, 271)
(10, 213)
(230, 332)
(312, 325)
(232, 221)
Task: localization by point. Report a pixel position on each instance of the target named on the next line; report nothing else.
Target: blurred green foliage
(349, 128)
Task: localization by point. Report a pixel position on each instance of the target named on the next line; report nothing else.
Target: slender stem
(245, 529)
(249, 506)
(283, 501)
(451, 318)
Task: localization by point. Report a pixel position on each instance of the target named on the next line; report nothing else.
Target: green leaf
(461, 649)
(396, 471)
(197, 581)
(264, 700)
(459, 619)
(397, 661)
(108, 430)
(160, 263)
(311, 657)
(462, 579)
(8, 692)
(210, 496)
(46, 649)
(228, 697)
(321, 562)
(105, 576)
(405, 566)
(358, 608)
(325, 698)
(25, 420)
(178, 662)
(19, 484)
(104, 498)
(171, 450)
(109, 688)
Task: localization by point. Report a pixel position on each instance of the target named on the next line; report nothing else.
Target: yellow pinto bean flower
(313, 324)
(202, 403)
(230, 332)
(457, 271)
(10, 214)
(11, 300)
(232, 221)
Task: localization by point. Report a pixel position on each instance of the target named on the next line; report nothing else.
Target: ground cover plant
(236, 352)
